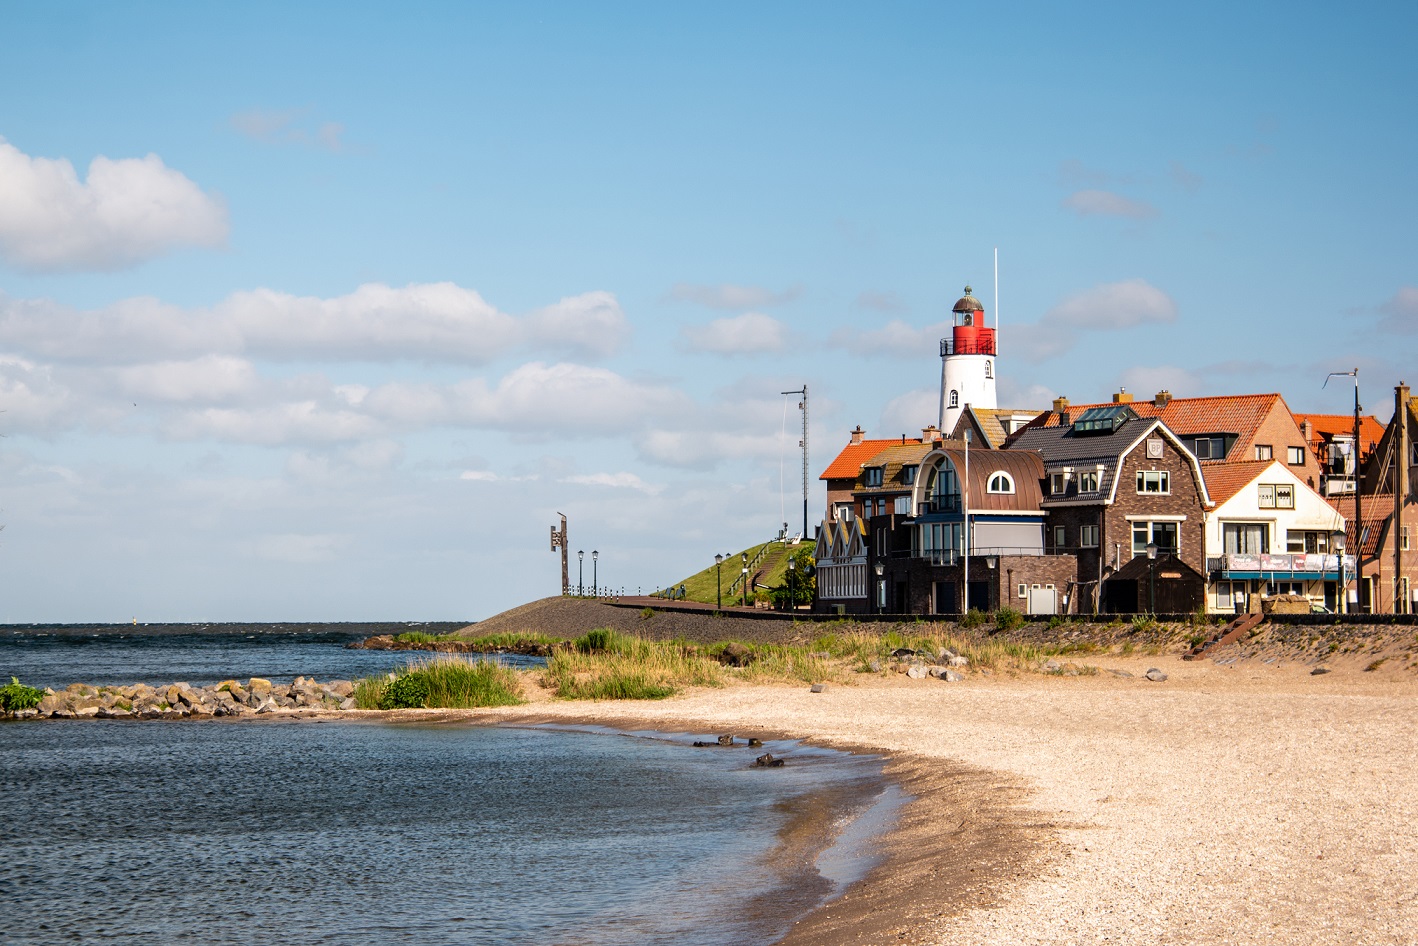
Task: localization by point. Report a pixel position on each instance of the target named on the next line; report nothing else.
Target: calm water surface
(339, 832)
(229, 831)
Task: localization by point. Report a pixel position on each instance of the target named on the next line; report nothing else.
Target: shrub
(972, 619)
(15, 696)
(410, 690)
(1008, 619)
(1142, 623)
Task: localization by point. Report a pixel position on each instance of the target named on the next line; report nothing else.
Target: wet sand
(1250, 803)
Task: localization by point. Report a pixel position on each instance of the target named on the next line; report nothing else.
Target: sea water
(341, 831)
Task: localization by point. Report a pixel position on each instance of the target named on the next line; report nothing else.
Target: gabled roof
(1378, 517)
(1224, 480)
(853, 456)
(1239, 414)
(990, 422)
(1061, 446)
(891, 460)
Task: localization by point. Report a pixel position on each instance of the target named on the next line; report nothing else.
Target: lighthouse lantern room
(967, 374)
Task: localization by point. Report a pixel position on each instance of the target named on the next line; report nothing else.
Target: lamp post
(745, 579)
(880, 567)
(792, 595)
(1336, 542)
(580, 571)
(990, 562)
(595, 584)
(1151, 578)
(718, 581)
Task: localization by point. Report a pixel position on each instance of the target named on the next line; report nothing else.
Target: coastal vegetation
(442, 682)
(608, 665)
(15, 696)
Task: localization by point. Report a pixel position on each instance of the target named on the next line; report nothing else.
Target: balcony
(941, 504)
(984, 345)
(1294, 565)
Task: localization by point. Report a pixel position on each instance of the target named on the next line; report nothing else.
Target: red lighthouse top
(970, 336)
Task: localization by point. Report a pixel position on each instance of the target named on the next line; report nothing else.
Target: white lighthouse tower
(967, 372)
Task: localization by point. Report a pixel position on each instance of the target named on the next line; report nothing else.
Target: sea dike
(228, 698)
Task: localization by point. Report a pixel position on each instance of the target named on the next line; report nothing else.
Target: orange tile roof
(1378, 510)
(1370, 430)
(849, 462)
(1224, 480)
(1234, 413)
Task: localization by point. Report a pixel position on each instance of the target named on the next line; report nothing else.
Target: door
(943, 598)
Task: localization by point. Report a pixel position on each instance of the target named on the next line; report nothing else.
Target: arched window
(989, 370)
(1000, 482)
(954, 398)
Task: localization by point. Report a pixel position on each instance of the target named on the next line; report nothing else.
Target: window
(1153, 481)
(903, 505)
(1276, 496)
(1088, 537)
(1308, 542)
(908, 474)
(989, 370)
(1209, 448)
(1162, 534)
(842, 512)
(1264, 452)
(1088, 482)
(1023, 590)
(1060, 536)
(873, 476)
(1295, 456)
(1245, 538)
(1285, 588)
(1403, 539)
(1001, 483)
(1058, 482)
(954, 398)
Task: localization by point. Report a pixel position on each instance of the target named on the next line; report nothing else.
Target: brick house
(843, 475)
(1331, 440)
(1116, 482)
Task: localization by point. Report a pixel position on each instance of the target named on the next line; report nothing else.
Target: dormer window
(1058, 483)
(1000, 482)
(908, 474)
(872, 476)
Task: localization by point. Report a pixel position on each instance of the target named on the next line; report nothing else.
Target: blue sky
(321, 312)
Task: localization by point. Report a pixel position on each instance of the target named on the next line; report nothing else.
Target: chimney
(858, 434)
(1122, 397)
(1060, 404)
(930, 434)
(1163, 398)
(1308, 429)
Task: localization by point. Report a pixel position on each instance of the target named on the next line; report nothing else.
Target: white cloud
(428, 321)
(297, 549)
(895, 338)
(292, 422)
(1400, 311)
(478, 476)
(1106, 307)
(730, 296)
(290, 126)
(127, 211)
(211, 378)
(621, 480)
(910, 413)
(887, 301)
(1098, 203)
(749, 334)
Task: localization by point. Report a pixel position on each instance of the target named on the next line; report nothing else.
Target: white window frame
(1265, 451)
(1088, 481)
(995, 478)
(1295, 456)
(1163, 479)
(1088, 536)
(1058, 484)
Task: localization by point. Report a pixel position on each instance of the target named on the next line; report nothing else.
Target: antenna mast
(803, 443)
(996, 302)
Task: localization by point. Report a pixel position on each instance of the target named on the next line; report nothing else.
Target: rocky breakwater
(256, 696)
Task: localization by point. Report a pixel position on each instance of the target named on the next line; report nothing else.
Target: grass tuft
(444, 682)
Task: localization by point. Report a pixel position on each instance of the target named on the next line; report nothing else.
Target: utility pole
(1400, 492)
(803, 443)
(1358, 495)
(558, 541)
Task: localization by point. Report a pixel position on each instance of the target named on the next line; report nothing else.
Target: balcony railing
(952, 557)
(978, 346)
(1295, 563)
(939, 504)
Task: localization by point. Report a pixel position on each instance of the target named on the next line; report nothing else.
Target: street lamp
(718, 581)
(990, 562)
(880, 567)
(1337, 542)
(595, 585)
(792, 595)
(1151, 578)
(580, 571)
(745, 579)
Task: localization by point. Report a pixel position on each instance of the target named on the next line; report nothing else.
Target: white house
(1270, 533)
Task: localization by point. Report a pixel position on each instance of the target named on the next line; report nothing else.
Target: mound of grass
(442, 683)
(607, 665)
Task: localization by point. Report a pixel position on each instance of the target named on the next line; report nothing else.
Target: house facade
(1271, 534)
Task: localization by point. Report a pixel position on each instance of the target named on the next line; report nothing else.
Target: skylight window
(1103, 420)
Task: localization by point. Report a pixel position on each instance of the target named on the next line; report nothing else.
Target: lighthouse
(967, 370)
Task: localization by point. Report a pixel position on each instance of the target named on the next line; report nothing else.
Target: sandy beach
(1250, 803)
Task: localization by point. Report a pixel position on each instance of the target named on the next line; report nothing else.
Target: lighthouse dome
(968, 303)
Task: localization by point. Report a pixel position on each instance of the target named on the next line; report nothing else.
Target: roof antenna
(996, 302)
